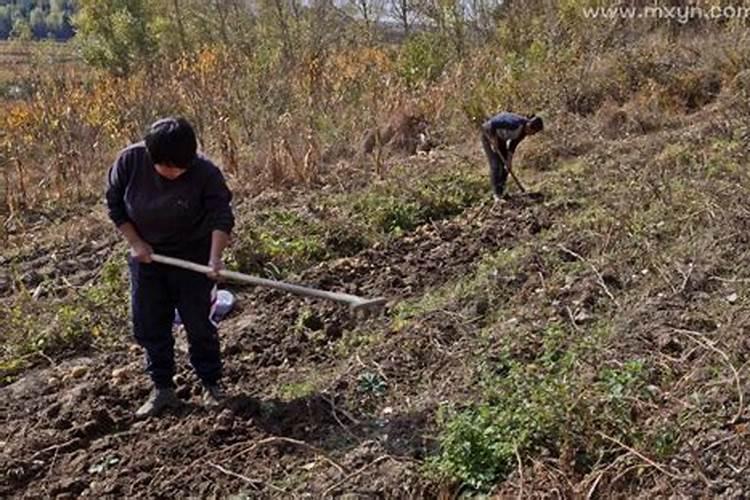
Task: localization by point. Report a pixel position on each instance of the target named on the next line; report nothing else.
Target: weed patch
(94, 315)
(559, 401)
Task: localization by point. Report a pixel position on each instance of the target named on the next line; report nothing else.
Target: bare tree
(481, 14)
(370, 11)
(449, 18)
(404, 12)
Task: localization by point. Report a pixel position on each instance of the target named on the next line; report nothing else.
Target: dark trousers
(498, 172)
(156, 290)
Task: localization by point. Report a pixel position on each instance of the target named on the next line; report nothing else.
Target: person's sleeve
(218, 203)
(117, 182)
(513, 144)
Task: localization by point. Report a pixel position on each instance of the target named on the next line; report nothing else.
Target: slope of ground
(586, 342)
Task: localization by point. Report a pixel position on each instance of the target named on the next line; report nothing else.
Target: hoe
(356, 303)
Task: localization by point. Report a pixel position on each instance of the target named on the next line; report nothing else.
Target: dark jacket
(168, 214)
(509, 128)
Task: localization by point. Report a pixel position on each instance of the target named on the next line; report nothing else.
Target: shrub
(422, 59)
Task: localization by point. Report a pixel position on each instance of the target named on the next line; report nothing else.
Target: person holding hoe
(501, 135)
(166, 198)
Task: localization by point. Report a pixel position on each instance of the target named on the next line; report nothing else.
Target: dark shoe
(160, 399)
(213, 395)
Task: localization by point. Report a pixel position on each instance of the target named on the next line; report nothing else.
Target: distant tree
(6, 24)
(38, 23)
(25, 5)
(58, 25)
(43, 18)
(404, 11)
(21, 30)
(115, 34)
(61, 12)
(449, 18)
(370, 11)
(59, 5)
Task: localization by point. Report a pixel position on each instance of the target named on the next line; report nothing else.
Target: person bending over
(501, 135)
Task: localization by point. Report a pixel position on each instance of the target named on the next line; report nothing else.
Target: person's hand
(216, 265)
(141, 251)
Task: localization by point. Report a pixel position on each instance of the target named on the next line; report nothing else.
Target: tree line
(36, 19)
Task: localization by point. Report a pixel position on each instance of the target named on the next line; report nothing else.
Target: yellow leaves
(357, 64)
(208, 61)
(19, 122)
(18, 116)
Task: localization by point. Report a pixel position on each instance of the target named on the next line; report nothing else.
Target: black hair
(171, 141)
(536, 123)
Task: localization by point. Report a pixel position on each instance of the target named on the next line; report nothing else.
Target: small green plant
(664, 441)
(355, 340)
(281, 238)
(526, 408)
(97, 313)
(372, 384)
(388, 213)
(621, 382)
(545, 402)
(307, 319)
(395, 208)
(10, 368)
(297, 390)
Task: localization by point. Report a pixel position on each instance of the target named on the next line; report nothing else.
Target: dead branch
(729, 280)
(720, 442)
(252, 482)
(273, 439)
(279, 439)
(520, 474)
(572, 319)
(640, 455)
(54, 447)
(686, 278)
(707, 345)
(600, 471)
(590, 494)
(599, 277)
(355, 474)
(334, 413)
(698, 467)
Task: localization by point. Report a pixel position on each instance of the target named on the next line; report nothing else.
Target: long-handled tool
(506, 166)
(471, 162)
(518, 183)
(356, 303)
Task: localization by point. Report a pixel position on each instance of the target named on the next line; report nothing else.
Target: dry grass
(272, 130)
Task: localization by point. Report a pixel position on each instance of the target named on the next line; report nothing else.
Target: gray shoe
(213, 396)
(160, 399)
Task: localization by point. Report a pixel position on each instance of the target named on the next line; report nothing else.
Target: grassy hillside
(587, 340)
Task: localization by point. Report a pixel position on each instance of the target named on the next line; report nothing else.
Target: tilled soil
(68, 430)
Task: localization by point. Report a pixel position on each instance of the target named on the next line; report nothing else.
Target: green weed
(548, 402)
